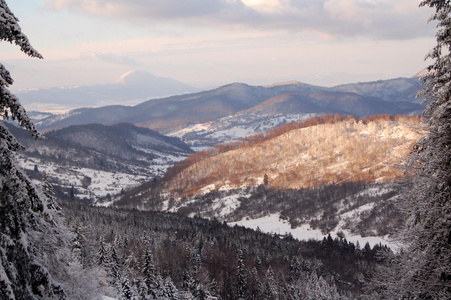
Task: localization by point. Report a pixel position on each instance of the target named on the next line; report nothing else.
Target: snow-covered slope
(336, 178)
(95, 161)
(232, 128)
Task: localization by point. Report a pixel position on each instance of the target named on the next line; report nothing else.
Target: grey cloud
(386, 19)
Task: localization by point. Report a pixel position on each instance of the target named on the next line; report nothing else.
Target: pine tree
(149, 273)
(424, 269)
(25, 212)
(102, 254)
(125, 291)
(169, 292)
(270, 288)
(114, 270)
(241, 284)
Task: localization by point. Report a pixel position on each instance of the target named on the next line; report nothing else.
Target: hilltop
(331, 173)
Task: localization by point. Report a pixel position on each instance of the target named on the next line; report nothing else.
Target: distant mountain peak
(136, 77)
(291, 82)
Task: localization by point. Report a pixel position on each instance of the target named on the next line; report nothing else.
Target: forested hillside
(330, 173)
(339, 150)
(165, 255)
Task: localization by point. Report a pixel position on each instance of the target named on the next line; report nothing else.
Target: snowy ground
(233, 127)
(274, 225)
(102, 183)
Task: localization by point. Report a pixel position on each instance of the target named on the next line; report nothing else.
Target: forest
(167, 255)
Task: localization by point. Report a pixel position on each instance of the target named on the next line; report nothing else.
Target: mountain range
(337, 172)
(182, 115)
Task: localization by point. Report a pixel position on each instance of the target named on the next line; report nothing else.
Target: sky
(209, 43)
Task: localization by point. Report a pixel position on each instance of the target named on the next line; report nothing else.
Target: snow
(272, 224)
(234, 127)
(226, 205)
(107, 298)
(102, 182)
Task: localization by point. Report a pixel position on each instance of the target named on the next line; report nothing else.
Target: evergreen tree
(125, 291)
(149, 273)
(241, 284)
(170, 292)
(265, 180)
(114, 268)
(423, 271)
(47, 187)
(270, 289)
(102, 254)
(77, 255)
(26, 214)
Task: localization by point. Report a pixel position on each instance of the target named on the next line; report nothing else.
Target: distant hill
(131, 88)
(167, 113)
(172, 114)
(392, 90)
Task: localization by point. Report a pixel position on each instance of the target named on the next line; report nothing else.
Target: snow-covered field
(274, 225)
(94, 184)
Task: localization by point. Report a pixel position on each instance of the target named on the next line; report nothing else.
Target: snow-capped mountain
(131, 88)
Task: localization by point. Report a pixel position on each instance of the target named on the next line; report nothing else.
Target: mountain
(167, 113)
(392, 90)
(196, 117)
(91, 161)
(327, 174)
(131, 88)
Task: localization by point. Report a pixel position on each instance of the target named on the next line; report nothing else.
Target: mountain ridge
(171, 114)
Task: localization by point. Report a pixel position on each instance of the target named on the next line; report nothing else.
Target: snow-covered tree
(102, 255)
(241, 280)
(318, 288)
(115, 267)
(169, 291)
(270, 288)
(424, 269)
(125, 290)
(149, 273)
(26, 213)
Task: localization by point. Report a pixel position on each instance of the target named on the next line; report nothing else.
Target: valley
(289, 165)
(93, 162)
(268, 152)
(248, 186)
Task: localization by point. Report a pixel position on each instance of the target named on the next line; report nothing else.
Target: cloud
(380, 19)
(109, 58)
